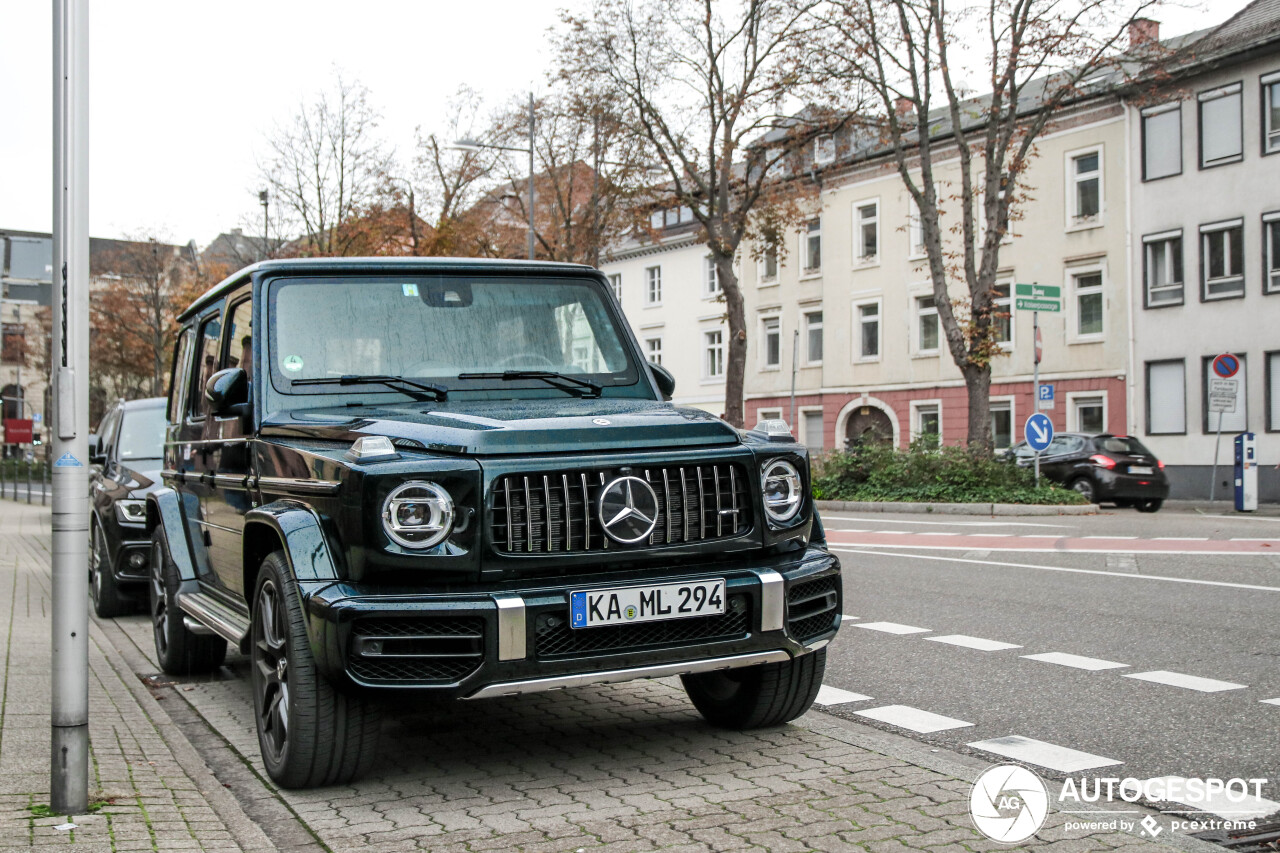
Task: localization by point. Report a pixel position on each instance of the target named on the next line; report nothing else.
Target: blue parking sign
(1038, 431)
(1046, 392)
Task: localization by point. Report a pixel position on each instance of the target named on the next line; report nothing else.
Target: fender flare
(165, 512)
(307, 544)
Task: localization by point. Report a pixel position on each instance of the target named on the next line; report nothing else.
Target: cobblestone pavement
(621, 768)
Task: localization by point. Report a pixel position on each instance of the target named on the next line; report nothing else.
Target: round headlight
(782, 488)
(418, 515)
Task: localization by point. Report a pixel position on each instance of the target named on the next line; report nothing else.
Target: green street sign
(1038, 291)
(1049, 306)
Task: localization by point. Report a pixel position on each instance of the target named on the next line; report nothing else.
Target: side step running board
(222, 620)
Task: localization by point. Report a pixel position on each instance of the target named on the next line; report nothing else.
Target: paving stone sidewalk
(621, 768)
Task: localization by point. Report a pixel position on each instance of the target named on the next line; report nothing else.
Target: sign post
(1222, 399)
(1036, 297)
(69, 717)
(1038, 431)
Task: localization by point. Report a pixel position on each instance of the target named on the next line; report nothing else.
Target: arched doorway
(867, 425)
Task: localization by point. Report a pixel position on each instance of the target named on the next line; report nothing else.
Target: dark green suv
(461, 477)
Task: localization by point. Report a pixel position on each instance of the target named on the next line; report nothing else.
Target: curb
(958, 509)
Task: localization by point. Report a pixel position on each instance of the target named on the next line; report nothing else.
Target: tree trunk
(736, 345)
(977, 380)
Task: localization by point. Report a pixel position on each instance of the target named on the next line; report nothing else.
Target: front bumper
(132, 561)
(517, 640)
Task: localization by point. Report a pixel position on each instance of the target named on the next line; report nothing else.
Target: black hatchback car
(462, 477)
(1111, 468)
(125, 460)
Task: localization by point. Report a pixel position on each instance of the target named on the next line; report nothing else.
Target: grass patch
(926, 473)
(41, 810)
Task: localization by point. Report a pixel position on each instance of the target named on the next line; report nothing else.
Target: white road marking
(1107, 537)
(1190, 682)
(847, 618)
(1241, 539)
(1042, 754)
(948, 523)
(892, 628)
(891, 532)
(1126, 575)
(1275, 701)
(1076, 661)
(974, 642)
(836, 696)
(1242, 807)
(912, 719)
(937, 533)
(1180, 539)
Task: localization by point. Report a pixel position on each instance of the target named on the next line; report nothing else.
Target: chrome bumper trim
(773, 600)
(511, 627)
(538, 685)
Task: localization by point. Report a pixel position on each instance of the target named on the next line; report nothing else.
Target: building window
(13, 344)
(824, 149)
(926, 421)
(811, 246)
(915, 231)
(1271, 234)
(1086, 186)
(1271, 113)
(763, 415)
(1002, 424)
(713, 354)
(1161, 141)
(1002, 315)
(653, 285)
(811, 426)
(813, 337)
(772, 327)
(1089, 414)
(866, 224)
(710, 277)
(615, 282)
(656, 219)
(769, 265)
(653, 349)
(1221, 140)
(927, 325)
(1089, 303)
(1232, 422)
(1166, 397)
(1273, 392)
(869, 330)
(1222, 259)
(1162, 268)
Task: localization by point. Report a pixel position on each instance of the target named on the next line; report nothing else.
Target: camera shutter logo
(1008, 803)
(628, 510)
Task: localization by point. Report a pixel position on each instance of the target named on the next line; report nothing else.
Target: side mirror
(96, 456)
(228, 392)
(663, 379)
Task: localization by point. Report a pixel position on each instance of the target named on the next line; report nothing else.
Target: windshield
(142, 434)
(435, 328)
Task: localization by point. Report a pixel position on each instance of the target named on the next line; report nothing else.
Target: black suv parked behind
(124, 467)
(1116, 468)
(461, 477)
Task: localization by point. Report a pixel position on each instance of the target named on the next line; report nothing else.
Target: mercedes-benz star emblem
(628, 510)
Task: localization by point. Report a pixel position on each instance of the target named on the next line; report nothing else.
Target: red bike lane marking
(985, 542)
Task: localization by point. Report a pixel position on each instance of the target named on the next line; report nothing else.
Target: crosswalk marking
(913, 719)
(1042, 754)
(1190, 682)
(892, 628)
(1076, 661)
(847, 618)
(836, 696)
(974, 643)
(1275, 701)
(1242, 807)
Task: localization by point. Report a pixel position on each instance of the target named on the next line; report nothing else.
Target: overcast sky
(182, 93)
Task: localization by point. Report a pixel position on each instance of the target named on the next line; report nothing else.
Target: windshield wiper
(577, 387)
(437, 392)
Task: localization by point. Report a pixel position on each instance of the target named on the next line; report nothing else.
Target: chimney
(903, 106)
(236, 232)
(1143, 31)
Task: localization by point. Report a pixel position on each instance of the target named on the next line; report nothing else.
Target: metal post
(28, 480)
(795, 358)
(69, 768)
(531, 195)
(1035, 379)
(1213, 476)
(264, 199)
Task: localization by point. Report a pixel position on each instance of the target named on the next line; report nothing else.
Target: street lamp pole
(532, 231)
(264, 200)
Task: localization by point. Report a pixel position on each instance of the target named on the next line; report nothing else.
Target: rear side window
(181, 370)
(1125, 444)
(206, 363)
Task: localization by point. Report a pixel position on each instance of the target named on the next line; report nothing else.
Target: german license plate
(1139, 469)
(591, 608)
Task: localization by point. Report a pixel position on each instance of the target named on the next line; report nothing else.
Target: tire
(310, 734)
(1152, 505)
(108, 602)
(755, 697)
(1085, 487)
(179, 651)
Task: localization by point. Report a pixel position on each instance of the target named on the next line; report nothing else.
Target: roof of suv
(146, 403)
(379, 264)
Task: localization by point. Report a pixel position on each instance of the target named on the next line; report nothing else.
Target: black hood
(514, 426)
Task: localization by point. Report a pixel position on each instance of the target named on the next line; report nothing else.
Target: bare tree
(1038, 58)
(703, 85)
(326, 167)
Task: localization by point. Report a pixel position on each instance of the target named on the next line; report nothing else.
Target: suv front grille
(812, 608)
(442, 650)
(549, 513)
(554, 637)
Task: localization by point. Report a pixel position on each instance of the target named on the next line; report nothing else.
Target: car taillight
(1102, 461)
(1160, 462)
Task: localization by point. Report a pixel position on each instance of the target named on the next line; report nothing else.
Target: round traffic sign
(1226, 365)
(1038, 431)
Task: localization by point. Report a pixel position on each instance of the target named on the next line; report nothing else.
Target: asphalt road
(1164, 596)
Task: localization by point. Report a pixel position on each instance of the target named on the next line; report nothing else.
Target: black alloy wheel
(107, 600)
(1085, 487)
(271, 668)
(179, 650)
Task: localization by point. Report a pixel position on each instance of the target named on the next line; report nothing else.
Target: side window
(107, 432)
(206, 363)
(240, 338)
(177, 380)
